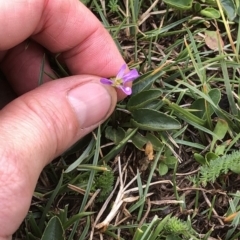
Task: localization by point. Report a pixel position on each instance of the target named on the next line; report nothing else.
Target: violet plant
(121, 79)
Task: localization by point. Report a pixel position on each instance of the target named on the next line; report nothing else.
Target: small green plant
(178, 227)
(220, 165)
(104, 181)
(166, 228)
(113, 6)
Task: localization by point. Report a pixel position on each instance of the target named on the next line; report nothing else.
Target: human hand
(44, 121)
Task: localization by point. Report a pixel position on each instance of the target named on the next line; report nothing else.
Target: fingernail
(91, 103)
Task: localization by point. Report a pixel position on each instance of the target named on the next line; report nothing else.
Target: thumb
(39, 126)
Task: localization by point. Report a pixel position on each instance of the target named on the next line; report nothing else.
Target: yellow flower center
(117, 82)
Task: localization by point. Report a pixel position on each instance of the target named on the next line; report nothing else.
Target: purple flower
(121, 79)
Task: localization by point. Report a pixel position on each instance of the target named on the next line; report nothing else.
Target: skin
(37, 124)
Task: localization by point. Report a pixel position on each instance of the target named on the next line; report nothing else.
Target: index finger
(62, 26)
(71, 28)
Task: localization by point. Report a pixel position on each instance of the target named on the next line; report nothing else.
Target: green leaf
(210, 13)
(180, 4)
(220, 149)
(75, 218)
(199, 107)
(145, 81)
(54, 230)
(149, 119)
(49, 203)
(160, 227)
(143, 98)
(197, 7)
(63, 214)
(199, 158)
(210, 156)
(184, 113)
(156, 104)
(210, 2)
(230, 8)
(83, 156)
(215, 95)
(116, 135)
(156, 143)
(170, 160)
(79, 145)
(199, 104)
(34, 226)
(138, 234)
(119, 147)
(86, 229)
(139, 141)
(147, 229)
(162, 169)
(220, 131)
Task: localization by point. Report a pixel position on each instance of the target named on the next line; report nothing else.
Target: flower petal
(106, 81)
(131, 76)
(121, 71)
(126, 90)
